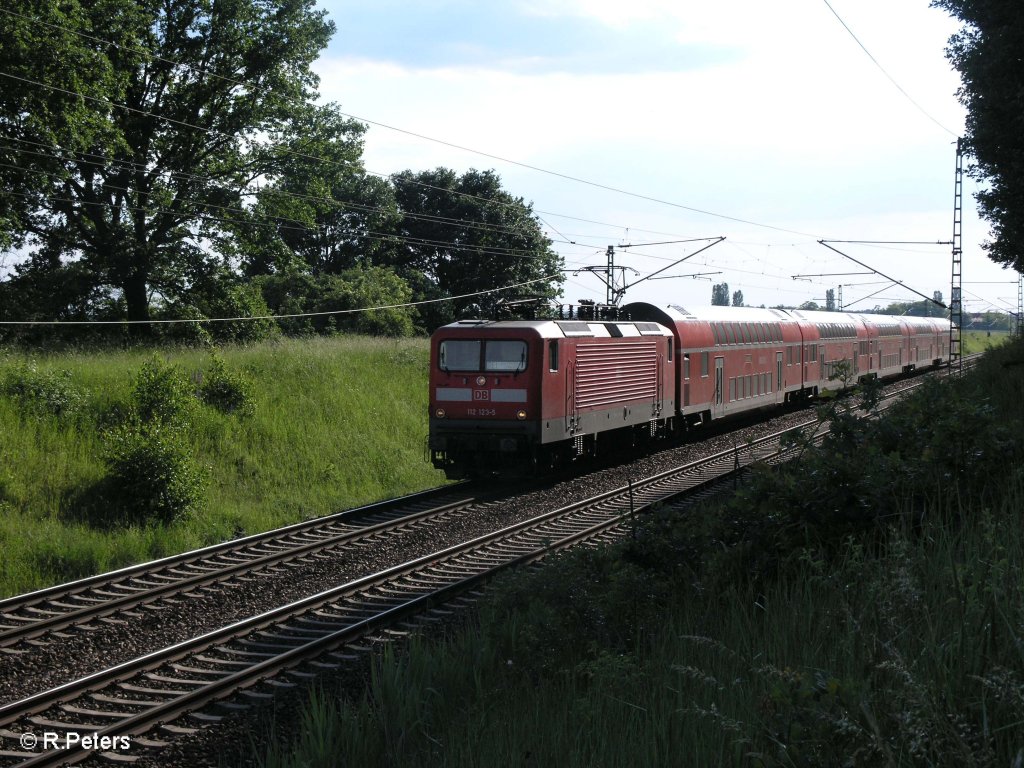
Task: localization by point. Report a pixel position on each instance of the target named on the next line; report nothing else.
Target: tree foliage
(167, 160)
(986, 51)
(923, 308)
(323, 213)
(720, 295)
(146, 146)
(466, 234)
(380, 288)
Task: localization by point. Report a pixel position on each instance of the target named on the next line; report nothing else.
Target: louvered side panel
(609, 374)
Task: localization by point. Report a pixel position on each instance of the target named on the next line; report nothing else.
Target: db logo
(481, 394)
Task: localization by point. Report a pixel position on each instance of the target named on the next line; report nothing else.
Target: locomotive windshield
(468, 356)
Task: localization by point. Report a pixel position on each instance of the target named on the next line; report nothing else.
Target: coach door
(719, 383)
(571, 413)
(780, 388)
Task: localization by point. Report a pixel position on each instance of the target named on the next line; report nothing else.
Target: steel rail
(105, 594)
(34, 614)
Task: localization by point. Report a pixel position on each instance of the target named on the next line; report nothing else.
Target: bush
(218, 296)
(162, 393)
(151, 475)
(186, 331)
(226, 391)
(932, 449)
(41, 392)
(150, 471)
(349, 294)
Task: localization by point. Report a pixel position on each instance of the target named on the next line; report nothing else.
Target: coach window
(686, 366)
(703, 363)
(553, 355)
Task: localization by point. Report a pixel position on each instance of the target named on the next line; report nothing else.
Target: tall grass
(899, 644)
(336, 422)
(979, 341)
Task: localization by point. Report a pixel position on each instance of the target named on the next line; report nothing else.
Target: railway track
(39, 613)
(234, 666)
(35, 614)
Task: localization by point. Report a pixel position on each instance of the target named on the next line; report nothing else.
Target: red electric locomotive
(531, 393)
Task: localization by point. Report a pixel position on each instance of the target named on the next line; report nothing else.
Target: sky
(764, 123)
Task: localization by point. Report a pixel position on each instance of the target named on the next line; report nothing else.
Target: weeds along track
(157, 697)
(36, 614)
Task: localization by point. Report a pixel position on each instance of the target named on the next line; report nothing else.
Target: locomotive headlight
(439, 413)
(520, 415)
(481, 380)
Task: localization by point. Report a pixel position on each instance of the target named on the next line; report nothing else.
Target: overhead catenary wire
(281, 222)
(420, 217)
(368, 235)
(880, 274)
(884, 72)
(184, 124)
(344, 204)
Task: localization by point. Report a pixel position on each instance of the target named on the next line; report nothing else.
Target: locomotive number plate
(481, 412)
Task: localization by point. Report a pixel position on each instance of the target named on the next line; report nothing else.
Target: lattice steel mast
(956, 314)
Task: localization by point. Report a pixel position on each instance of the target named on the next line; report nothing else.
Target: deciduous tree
(720, 294)
(136, 128)
(987, 53)
(465, 234)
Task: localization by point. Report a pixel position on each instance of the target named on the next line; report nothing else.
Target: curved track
(237, 664)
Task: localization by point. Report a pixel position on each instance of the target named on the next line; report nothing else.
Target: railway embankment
(862, 606)
(109, 458)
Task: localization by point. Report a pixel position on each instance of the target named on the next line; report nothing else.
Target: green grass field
(338, 422)
(979, 341)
